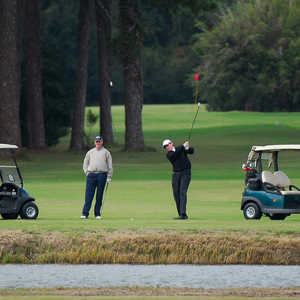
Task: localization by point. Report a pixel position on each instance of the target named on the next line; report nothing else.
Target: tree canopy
(251, 59)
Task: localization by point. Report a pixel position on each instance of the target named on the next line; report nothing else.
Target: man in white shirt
(97, 166)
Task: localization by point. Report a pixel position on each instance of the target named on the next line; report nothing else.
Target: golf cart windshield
(10, 174)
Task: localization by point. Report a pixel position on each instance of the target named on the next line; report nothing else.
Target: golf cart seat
(268, 177)
(269, 182)
(282, 181)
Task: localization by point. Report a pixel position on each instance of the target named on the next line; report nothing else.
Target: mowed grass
(140, 194)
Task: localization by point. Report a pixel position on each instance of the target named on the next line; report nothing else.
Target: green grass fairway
(140, 195)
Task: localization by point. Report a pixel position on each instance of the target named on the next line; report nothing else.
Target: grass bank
(201, 248)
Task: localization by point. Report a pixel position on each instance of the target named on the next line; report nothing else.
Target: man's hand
(108, 180)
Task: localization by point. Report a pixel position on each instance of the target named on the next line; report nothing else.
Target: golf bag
(252, 180)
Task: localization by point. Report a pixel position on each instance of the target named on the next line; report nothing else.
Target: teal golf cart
(268, 190)
(14, 199)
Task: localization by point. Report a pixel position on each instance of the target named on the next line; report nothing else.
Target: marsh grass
(150, 249)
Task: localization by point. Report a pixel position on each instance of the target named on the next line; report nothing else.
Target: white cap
(166, 142)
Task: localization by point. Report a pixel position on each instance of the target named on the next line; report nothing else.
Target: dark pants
(180, 184)
(94, 180)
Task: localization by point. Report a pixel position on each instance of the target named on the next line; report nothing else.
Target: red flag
(197, 76)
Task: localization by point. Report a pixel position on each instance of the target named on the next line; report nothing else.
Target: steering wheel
(291, 187)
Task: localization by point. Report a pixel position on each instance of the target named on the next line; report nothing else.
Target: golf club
(104, 197)
(193, 123)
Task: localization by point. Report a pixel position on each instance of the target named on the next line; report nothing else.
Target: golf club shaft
(193, 123)
(105, 194)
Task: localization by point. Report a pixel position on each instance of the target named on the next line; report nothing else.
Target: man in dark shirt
(181, 174)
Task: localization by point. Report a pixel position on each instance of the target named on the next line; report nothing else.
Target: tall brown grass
(149, 249)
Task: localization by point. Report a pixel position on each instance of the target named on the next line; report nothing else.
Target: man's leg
(89, 194)
(184, 185)
(101, 180)
(176, 186)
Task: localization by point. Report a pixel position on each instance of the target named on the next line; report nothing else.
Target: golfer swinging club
(97, 166)
(181, 174)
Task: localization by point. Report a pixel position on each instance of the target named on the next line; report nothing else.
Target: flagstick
(196, 91)
(196, 79)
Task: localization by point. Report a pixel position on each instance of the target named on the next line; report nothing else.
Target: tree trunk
(33, 94)
(132, 69)
(103, 18)
(9, 75)
(84, 23)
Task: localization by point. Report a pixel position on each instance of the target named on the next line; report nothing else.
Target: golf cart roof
(269, 149)
(8, 146)
(274, 148)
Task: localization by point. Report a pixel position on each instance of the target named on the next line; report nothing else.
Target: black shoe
(181, 218)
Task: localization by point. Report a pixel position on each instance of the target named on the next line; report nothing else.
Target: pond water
(218, 276)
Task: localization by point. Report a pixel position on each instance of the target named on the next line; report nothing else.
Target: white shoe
(83, 217)
(98, 217)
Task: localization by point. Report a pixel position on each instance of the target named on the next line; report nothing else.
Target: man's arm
(189, 150)
(173, 155)
(86, 163)
(109, 166)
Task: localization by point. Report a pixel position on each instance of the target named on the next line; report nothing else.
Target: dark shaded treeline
(57, 56)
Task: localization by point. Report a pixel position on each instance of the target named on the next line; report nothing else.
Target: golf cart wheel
(252, 211)
(29, 211)
(278, 217)
(9, 216)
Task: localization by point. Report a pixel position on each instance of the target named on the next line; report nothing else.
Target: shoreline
(161, 291)
(148, 247)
